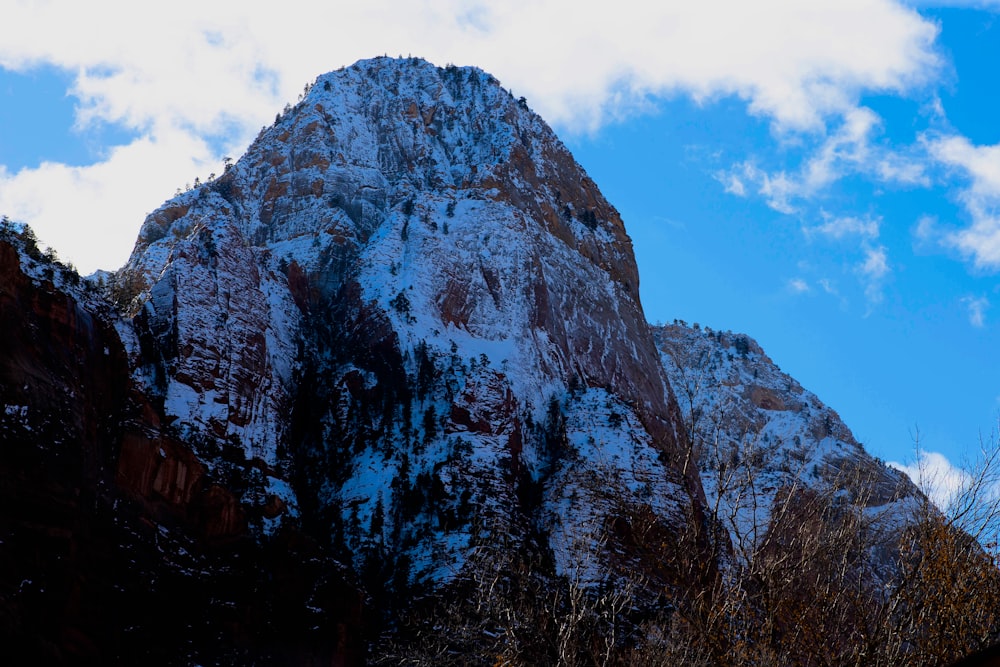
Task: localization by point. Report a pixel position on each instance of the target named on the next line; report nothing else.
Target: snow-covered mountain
(387, 381)
(406, 289)
(759, 439)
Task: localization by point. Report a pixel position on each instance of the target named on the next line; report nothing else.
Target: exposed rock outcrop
(111, 525)
(757, 436)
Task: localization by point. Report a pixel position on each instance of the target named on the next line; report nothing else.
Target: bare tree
(823, 570)
(947, 599)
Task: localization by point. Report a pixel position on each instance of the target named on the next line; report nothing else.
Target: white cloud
(936, 476)
(961, 4)
(798, 286)
(793, 62)
(979, 241)
(982, 164)
(91, 213)
(847, 226)
(873, 271)
(977, 310)
(218, 71)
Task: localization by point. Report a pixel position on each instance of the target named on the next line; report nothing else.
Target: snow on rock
(758, 437)
(227, 335)
(610, 472)
(323, 302)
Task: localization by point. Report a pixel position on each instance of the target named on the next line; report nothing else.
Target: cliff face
(55, 349)
(111, 524)
(407, 287)
(392, 177)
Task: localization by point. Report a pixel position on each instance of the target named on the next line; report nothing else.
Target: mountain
(384, 391)
(762, 442)
(389, 298)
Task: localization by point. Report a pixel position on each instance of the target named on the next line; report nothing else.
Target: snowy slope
(759, 437)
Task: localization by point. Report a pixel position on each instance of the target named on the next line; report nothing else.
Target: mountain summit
(408, 287)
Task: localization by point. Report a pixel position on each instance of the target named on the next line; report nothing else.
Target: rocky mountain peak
(408, 260)
(369, 138)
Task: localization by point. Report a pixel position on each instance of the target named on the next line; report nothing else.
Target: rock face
(408, 288)
(758, 438)
(111, 524)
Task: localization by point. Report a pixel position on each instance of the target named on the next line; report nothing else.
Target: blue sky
(823, 176)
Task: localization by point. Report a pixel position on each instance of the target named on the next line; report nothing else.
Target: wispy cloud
(980, 241)
(829, 287)
(777, 189)
(870, 265)
(926, 233)
(845, 149)
(732, 183)
(798, 286)
(977, 310)
(847, 226)
(903, 169)
(873, 271)
(851, 149)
